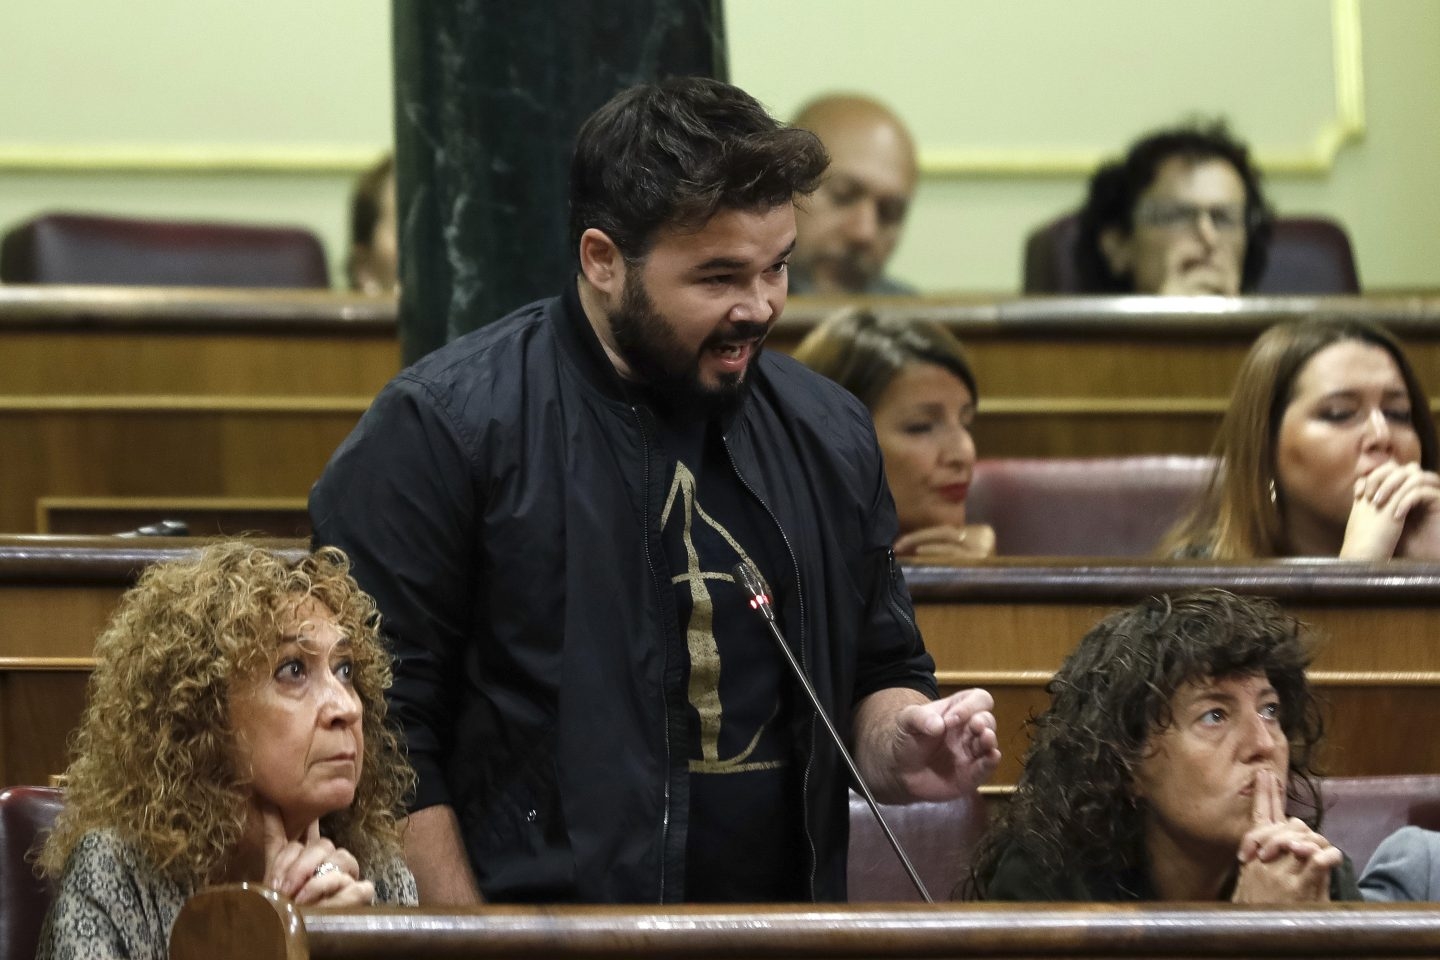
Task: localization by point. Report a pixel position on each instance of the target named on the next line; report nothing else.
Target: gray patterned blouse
(112, 904)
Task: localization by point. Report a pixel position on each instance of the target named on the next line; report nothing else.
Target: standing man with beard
(548, 510)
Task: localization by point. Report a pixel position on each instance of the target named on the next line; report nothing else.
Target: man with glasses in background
(1181, 214)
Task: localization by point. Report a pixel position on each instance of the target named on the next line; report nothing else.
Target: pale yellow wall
(258, 111)
(1011, 101)
(262, 111)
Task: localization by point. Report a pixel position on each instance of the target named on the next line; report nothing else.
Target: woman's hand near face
(291, 867)
(944, 544)
(1282, 860)
(1396, 513)
(1417, 500)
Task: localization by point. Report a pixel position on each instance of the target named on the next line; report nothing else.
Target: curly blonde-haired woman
(235, 731)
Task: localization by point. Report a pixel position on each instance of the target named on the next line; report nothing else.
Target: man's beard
(670, 372)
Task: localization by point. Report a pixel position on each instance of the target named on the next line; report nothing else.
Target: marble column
(488, 96)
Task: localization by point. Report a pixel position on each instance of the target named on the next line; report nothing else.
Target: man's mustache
(744, 330)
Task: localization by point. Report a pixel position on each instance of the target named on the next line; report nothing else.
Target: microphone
(748, 576)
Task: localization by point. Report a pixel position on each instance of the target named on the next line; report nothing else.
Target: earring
(1273, 497)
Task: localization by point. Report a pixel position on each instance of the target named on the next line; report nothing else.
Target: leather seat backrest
(1084, 506)
(1308, 255)
(1362, 811)
(939, 838)
(25, 814)
(83, 249)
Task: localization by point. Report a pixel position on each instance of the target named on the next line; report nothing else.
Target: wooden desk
(167, 396)
(176, 395)
(1103, 376)
(1008, 625)
(1005, 625)
(246, 922)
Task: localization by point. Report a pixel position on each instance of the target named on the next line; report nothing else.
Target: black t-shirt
(744, 840)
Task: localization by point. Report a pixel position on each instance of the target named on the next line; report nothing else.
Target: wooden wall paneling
(103, 362)
(40, 704)
(1006, 625)
(1376, 668)
(1368, 725)
(138, 341)
(55, 619)
(223, 449)
(140, 392)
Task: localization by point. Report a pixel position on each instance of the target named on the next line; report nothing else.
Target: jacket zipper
(665, 665)
(800, 598)
(890, 594)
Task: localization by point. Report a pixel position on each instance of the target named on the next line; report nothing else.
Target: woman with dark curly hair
(235, 731)
(1176, 733)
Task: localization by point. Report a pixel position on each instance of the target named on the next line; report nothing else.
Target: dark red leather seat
(1362, 811)
(25, 814)
(83, 249)
(939, 839)
(1084, 506)
(1308, 255)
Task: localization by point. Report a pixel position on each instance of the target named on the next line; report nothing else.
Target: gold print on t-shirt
(704, 690)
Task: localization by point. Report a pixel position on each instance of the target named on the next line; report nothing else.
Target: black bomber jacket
(501, 501)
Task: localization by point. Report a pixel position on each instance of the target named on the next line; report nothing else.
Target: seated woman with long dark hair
(235, 731)
(914, 377)
(1327, 449)
(1176, 734)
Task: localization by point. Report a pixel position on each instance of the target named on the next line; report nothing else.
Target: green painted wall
(263, 111)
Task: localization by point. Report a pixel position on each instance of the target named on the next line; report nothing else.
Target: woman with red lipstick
(914, 377)
(1176, 733)
(234, 732)
(1328, 449)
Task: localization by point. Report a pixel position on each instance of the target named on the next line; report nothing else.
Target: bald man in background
(849, 227)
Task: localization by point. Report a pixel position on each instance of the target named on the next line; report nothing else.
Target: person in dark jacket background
(548, 512)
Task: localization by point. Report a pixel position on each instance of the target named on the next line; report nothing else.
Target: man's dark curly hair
(1074, 810)
(1116, 188)
(678, 152)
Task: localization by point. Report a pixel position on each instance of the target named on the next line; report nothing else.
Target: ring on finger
(324, 868)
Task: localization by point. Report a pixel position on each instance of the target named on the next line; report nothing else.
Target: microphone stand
(749, 579)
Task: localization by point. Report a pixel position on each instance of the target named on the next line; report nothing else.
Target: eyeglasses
(1166, 215)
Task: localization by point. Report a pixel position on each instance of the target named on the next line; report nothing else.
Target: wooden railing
(1007, 625)
(233, 922)
(183, 394)
(1004, 625)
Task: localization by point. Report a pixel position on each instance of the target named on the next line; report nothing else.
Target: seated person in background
(373, 265)
(235, 731)
(847, 229)
(1175, 733)
(1405, 867)
(1181, 214)
(914, 377)
(1327, 449)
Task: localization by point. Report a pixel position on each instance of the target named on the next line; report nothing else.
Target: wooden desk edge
(261, 923)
